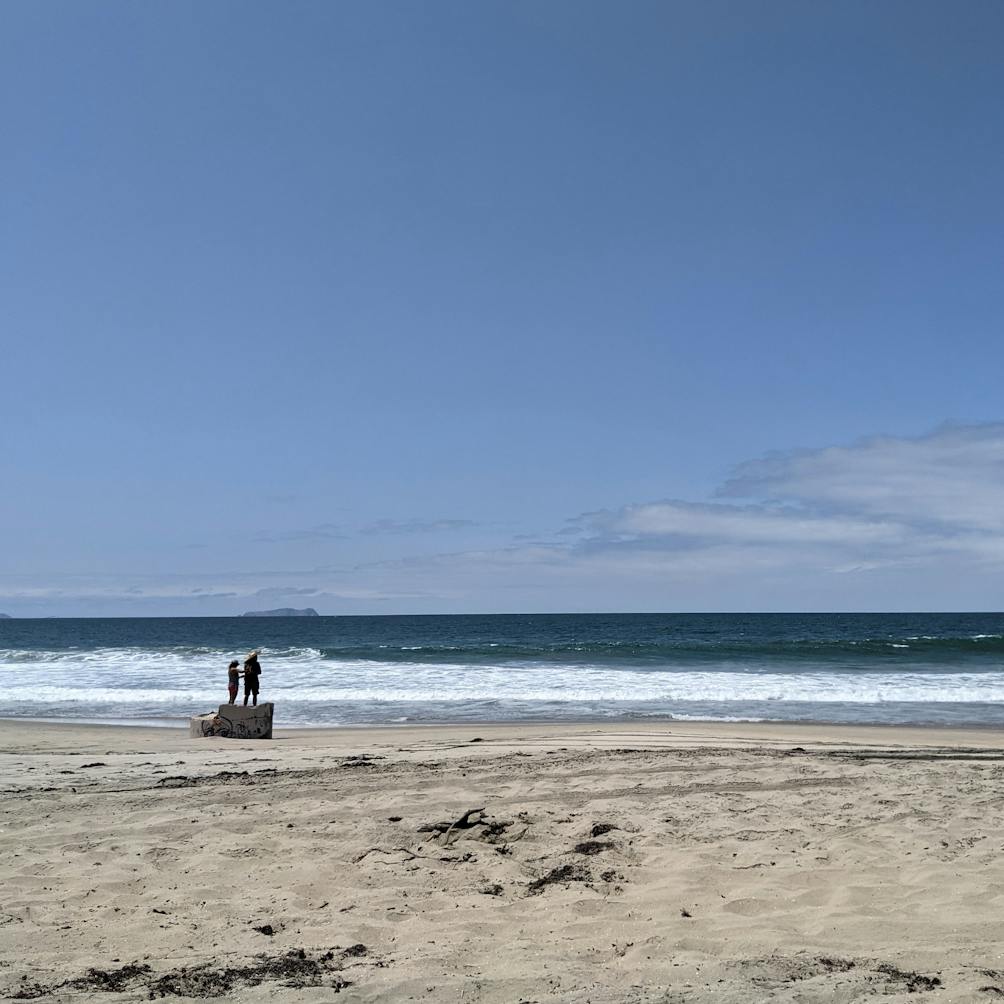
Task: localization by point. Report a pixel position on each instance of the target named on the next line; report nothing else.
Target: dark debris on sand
(471, 818)
(913, 981)
(93, 981)
(600, 828)
(562, 874)
(780, 970)
(592, 846)
(295, 969)
(360, 760)
(474, 823)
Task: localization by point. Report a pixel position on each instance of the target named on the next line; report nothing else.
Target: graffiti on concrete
(233, 721)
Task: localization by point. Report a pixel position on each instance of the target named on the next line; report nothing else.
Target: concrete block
(234, 721)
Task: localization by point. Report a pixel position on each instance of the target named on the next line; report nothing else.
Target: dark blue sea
(881, 668)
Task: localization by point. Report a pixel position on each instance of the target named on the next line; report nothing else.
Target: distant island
(283, 612)
(6, 617)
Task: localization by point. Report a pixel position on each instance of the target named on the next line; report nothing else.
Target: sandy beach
(665, 862)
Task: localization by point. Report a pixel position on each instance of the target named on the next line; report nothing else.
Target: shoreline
(603, 724)
(660, 733)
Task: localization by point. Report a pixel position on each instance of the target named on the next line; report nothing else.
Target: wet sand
(637, 863)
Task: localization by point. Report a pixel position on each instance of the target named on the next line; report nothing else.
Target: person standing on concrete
(233, 679)
(252, 670)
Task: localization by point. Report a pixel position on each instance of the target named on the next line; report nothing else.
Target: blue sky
(396, 307)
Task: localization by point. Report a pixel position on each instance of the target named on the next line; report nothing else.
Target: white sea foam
(194, 677)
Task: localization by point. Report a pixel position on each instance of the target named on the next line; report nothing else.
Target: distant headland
(6, 617)
(283, 612)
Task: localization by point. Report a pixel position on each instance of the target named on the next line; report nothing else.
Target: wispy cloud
(278, 592)
(688, 522)
(952, 478)
(416, 526)
(323, 531)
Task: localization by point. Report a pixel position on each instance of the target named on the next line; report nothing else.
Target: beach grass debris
(361, 760)
(593, 846)
(913, 981)
(478, 824)
(779, 970)
(472, 817)
(563, 874)
(599, 829)
(296, 969)
(93, 981)
(836, 965)
(409, 855)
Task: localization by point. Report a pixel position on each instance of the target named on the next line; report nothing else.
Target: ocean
(945, 669)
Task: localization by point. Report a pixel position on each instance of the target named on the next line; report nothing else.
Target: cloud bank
(882, 502)
(884, 523)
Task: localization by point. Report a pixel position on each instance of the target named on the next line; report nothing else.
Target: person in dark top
(252, 670)
(233, 679)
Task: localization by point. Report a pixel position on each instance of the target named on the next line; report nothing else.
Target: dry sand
(659, 863)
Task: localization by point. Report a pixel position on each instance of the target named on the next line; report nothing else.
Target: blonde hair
(253, 655)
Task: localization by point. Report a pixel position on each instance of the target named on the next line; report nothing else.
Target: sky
(394, 307)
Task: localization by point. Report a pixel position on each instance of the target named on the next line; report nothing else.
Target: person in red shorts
(233, 679)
